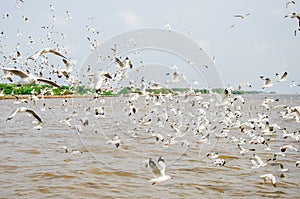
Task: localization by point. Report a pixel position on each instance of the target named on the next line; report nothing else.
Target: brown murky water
(34, 164)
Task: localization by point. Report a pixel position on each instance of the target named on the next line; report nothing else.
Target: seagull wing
(259, 160)
(47, 81)
(34, 114)
(119, 62)
(154, 169)
(161, 165)
(56, 53)
(17, 72)
(13, 114)
(240, 16)
(284, 75)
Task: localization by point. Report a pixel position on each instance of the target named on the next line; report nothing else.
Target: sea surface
(78, 161)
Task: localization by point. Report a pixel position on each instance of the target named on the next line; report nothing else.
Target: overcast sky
(263, 43)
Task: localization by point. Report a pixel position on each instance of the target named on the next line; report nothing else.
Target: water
(34, 164)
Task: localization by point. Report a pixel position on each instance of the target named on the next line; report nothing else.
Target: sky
(262, 43)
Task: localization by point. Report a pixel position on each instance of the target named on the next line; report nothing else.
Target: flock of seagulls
(163, 118)
(268, 84)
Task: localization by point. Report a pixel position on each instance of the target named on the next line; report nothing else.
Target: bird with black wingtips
(158, 171)
(282, 78)
(24, 109)
(27, 78)
(44, 51)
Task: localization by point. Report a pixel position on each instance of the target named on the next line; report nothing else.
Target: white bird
(27, 78)
(282, 78)
(219, 162)
(285, 147)
(101, 78)
(212, 155)
(69, 17)
(294, 15)
(270, 177)
(168, 27)
(43, 51)
(289, 2)
(52, 8)
(258, 163)
(240, 85)
(282, 169)
(116, 141)
(243, 150)
(241, 16)
(268, 83)
(24, 109)
(126, 63)
(158, 171)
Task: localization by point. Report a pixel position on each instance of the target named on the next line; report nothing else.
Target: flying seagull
(43, 51)
(126, 63)
(27, 78)
(24, 109)
(270, 177)
(282, 78)
(158, 171)
(293, 15)
(268, 83)
(289, 2)
(241, 16)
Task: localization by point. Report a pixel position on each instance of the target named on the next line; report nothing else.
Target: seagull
(297, 163)
(268, 83)
(219, 162)
(101, 78)
(293, 84)
(43, 51)
(69, 17)
(116, 141)
(158, 171)
(289, 2)
(282, 78)
(241, 16)
(52, 8)
(168, 27)
(243, 150)
(124, 64)
(285, 147)
(240, 85)
(24, 109)
(282, 169)
(212, 155)
(259, 162)
(270, 177)
(293, 15)
(27, 78)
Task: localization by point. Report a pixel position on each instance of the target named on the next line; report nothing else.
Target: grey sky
(262, 43)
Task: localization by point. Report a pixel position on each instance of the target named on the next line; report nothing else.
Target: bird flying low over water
(269, 177)
(158, 170)
(43, 51)
(24, 109)
(27, 78)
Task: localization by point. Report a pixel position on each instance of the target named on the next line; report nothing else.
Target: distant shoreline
(8, 97)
